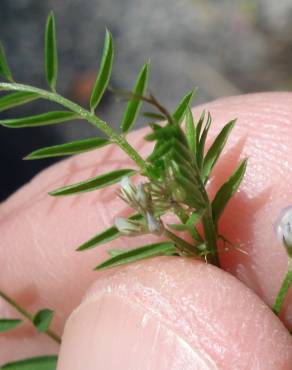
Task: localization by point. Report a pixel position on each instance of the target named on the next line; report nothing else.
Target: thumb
(170, 313)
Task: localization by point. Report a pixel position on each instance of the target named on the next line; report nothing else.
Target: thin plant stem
(84, 114)
(150, 100)
(181, 244)
(284, 289)
(209, 227)
(27, 315)
(211, 237)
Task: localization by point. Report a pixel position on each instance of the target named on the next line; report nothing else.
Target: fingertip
(170, 313)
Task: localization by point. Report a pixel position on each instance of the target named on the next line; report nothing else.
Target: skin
(164, 313)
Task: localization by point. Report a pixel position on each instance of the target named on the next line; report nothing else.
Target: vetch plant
(172, 179)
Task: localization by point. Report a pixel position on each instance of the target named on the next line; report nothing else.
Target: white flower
(141, 196)
(154, 225)
(283, 227)
(136, 197)
(126, 184)
(127, 227)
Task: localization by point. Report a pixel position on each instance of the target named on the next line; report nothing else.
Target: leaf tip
(53, 193)
(80, 248)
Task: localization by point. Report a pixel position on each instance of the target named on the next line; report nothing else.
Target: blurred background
(224, 47)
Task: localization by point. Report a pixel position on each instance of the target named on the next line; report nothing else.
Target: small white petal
(153, 225)
(141, 196)
(127, 227)
(121, 224)
(283, 226)
(125, 183)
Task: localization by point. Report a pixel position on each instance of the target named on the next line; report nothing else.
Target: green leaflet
(43, 319)
(191, 132)
(216, 149)
(227, 190)
(105, 236)
(147, 251)
(51, 57)
(202, 141)
(94, 183)
(4, 68)
(181, 109)
(8, 324)
(35, 363)
(74, 147)
(134, 105)
(104, 73)
(199, 126)
(43, 119)
(15, 99)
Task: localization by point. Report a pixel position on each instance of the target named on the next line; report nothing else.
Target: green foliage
(35, 363)
(43, 319)
(4, 68)
(202, 140)
(8, 324)
(14, 99)
(216, 149)
(105, 70)
(147, 251)
(227, 190)
(51, 56)
(191, 132)
(181, 109)
(174, 173)
(94, 183)
(51, 118)
(74, 147)
(134, 105)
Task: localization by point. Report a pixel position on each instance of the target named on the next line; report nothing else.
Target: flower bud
(283, 227)
(154, 225)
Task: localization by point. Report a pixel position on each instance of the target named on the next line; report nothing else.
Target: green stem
(284, 289)
(84, 114)
(181, 244)
(27, 315)
(210, 236)
(209, 227)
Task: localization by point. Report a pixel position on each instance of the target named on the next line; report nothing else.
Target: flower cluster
(139, 199)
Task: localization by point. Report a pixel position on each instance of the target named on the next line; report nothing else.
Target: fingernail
(110, 333)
